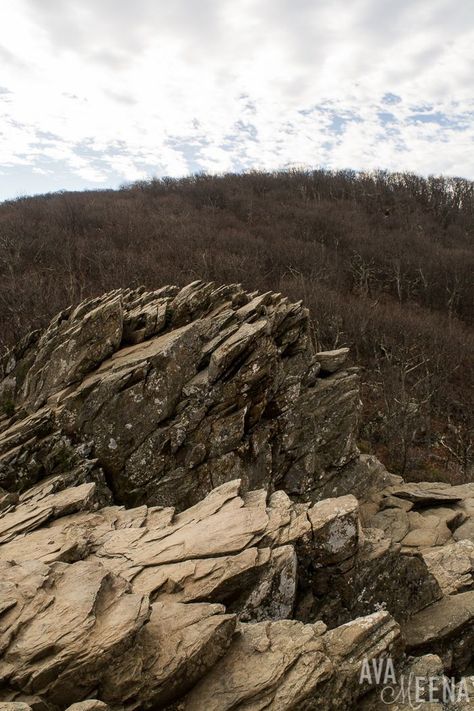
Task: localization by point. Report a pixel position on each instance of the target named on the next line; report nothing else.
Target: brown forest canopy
(384, 262)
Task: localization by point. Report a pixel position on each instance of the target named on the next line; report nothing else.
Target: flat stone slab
(426, 493)
(440, 621)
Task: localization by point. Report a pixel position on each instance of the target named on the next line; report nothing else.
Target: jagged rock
(445, 628)
(194, 408)
(175, 649)
(99, 618)
(159, 592)
(74, 343)
(32, 449)
(435, 514)
(172, 392)
(289, 665)
(376, 577)
(364, 477)
(27, 515)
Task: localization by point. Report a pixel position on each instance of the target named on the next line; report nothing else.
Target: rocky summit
(186, 522)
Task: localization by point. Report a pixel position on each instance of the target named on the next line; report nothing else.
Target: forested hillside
(385, 263)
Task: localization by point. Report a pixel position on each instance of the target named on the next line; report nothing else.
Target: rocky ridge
(186, 522)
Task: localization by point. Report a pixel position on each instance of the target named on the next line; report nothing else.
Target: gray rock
(91, 705)
(465, 532)
(331, 361)
(166, 394)
(445, 628)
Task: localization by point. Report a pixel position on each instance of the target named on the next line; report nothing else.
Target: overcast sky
(95, 93)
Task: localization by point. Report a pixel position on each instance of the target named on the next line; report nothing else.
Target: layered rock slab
(134, 607)
(167, 394)
(288, 665)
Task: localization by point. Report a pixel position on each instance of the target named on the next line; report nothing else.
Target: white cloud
(125, 90)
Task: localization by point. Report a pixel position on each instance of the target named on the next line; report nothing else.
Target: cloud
(113, 89)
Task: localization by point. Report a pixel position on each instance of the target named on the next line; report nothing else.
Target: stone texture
(73, 344)
(91, 705)
(165, 395)
(445, 628)
(186, 521)
(465, 532)
(427, 493)
(331, 361)
(149, 598)
(453, 566)
(288, 665)
(62, 625)
(27, 515)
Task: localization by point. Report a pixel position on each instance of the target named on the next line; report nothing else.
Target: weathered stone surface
(288, 665)
(27, 515)
(427, 493)
(445, 628)
(231, 556)
(438, 534)
(465, 532)
(334, 535)
(377, 577)
(393, 522)
(177, 647)
(194, 408)
(173, 392)
(364, 477)
(331, 361)
(453, 566)
(75, 342)
(61, 626)
(91, 705)
(33, 449)
(436, 514)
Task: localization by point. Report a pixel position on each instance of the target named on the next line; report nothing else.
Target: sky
(100, 93)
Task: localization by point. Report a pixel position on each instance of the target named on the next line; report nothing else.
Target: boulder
(394, 522)
(445, 628)
(149, 598)
(465, 532)
(99, 618)
(452, 565)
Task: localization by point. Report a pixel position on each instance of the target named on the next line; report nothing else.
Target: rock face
(186, 522)
(165, 395)
(140, 604)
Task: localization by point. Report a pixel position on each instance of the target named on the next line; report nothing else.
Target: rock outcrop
(186, 522)
(139, 605)
(165, 395)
